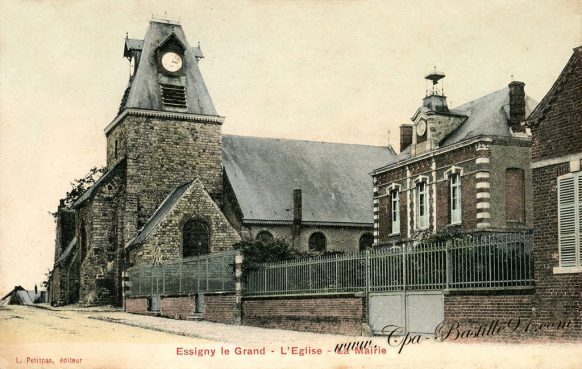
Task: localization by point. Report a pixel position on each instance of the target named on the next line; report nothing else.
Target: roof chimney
(406, 131)
(516, 106)
(297, 214)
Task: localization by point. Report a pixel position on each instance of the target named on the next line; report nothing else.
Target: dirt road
(37, 338)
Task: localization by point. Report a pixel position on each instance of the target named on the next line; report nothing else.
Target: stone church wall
(165, 242)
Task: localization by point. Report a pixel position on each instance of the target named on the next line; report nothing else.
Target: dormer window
(171, 56)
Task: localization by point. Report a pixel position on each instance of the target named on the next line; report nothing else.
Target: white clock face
(421, 128)
(172, 62)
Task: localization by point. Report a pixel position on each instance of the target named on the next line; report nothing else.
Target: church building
(176, 187)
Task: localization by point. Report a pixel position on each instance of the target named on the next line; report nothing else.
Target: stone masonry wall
(165, 242)
(164, 153)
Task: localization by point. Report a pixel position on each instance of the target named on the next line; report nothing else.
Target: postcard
(287, 184)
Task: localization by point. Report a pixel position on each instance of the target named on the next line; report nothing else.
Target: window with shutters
(569, 218)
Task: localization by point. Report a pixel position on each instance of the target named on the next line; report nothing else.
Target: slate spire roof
(144, 91)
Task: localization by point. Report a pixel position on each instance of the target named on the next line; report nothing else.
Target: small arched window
(195, 238)
(265, 236)
(366, 241)
(317, 242)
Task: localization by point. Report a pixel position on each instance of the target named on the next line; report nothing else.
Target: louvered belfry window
(173, 96)
(569, 219)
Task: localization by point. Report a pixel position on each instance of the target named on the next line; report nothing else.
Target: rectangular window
(455, 198)
(421, 206)
(395, 202)
(569, 218)
(515, 195)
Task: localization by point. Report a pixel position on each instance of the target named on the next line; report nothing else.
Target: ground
(94, 338)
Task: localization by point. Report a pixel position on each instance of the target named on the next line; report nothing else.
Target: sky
(337, 71)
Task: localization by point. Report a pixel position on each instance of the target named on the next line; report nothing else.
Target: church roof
(102, 180)
(159, 214)
(144, 91)
(334, 178)
(65, 255)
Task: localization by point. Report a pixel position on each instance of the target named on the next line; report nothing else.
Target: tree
(79, 186)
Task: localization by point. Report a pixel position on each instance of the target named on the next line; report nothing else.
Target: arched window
(265, 236)
(195, 238)
(317, 242)
(366, 241)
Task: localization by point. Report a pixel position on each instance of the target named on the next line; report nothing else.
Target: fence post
(448, 270)
(180, 277)
(163, 279)
(367, 272)
(207, 276)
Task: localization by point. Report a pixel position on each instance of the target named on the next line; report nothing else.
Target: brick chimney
(516, 106)
(406, 131)
(297, 215)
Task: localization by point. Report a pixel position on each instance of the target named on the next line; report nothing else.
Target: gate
(419, 312)
(405, 284)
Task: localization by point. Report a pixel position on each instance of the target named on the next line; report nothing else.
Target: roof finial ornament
(435, 76)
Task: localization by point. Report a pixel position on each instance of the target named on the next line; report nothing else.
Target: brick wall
(557, 133)
(558, 296)
(136, 305)
(178, 307)
(333, 314)
(221, 308)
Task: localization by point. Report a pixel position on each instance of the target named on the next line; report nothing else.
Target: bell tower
(167, 130)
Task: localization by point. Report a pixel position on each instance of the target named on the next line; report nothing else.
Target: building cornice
(307, 224)
(439, 151)
(213, 119)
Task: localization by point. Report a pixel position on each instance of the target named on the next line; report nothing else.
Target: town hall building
(176, 187)
(459, 170)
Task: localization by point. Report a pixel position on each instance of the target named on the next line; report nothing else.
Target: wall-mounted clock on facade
(172, 62)
(421, 128)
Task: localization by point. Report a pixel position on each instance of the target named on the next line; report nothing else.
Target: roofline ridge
(303, 140)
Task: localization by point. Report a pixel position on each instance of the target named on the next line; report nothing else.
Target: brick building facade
(557, 187)
(460, 170)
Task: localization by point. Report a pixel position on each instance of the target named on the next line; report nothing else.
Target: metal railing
(501, 260)
(207, 273)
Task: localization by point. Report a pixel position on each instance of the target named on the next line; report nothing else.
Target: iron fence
(207, 273)
(501, 260)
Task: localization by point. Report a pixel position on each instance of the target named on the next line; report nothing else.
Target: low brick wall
(136, 305)
(330, 314)
(221, 308)
(485, 310)
(177, 307)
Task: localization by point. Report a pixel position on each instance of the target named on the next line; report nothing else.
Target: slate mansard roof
(334, 178)
(486, 116)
